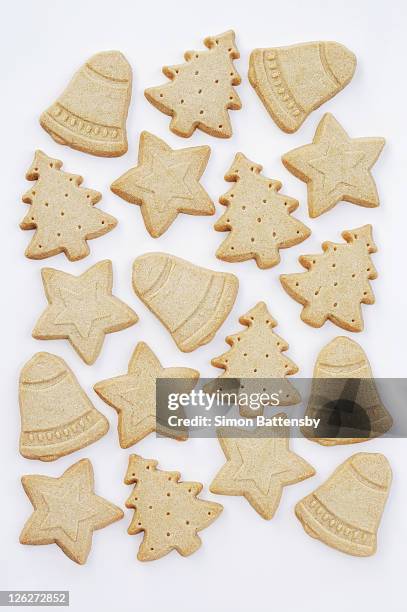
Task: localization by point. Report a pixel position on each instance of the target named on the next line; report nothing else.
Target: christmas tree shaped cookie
(133, 395)
(167, 511)
(165, 182)
(82, 309)
(61, 211)
(335, 167)
(201, 90)
(257, 353)
(257, 217)
(336, 282)
(259, 464)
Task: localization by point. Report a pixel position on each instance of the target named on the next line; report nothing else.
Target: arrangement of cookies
(192, 302)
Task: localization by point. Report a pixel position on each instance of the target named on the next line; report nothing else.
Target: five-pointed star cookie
(259, 464)
(82, 309)
(67, 511)
(133, 395)
(165, 183)
(336, 167)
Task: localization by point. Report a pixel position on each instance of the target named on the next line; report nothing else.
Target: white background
(245, 562)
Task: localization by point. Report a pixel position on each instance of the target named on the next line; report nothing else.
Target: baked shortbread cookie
(258, 217)
(165, 183)
(293, 81)
(168, 512)
(82, 309)
(133, 395)
(90, 115)
(336, 167)
(346, 510)
(201, 91)
(192, 302)
(336, 282)
(258, 465)
(67, 511)
(62, 212)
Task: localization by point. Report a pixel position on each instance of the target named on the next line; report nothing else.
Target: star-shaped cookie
(165, 182)
(82, 309)
(67, 511)
(133, 395)
(259, 464)
(335, 167)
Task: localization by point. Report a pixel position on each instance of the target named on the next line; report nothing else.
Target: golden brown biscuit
(67, 511)
(336, 282)
(62, 212)
(90, 115)
(133, 395)
(57, 417)
(257, 217)
(82, 309)
(165, 182)
(259, 464)
(335, 167)
(167, 512)
(344, 396)
(345, 511)
(201, 90)
(293, 81)
(256, 354)
(192, 302)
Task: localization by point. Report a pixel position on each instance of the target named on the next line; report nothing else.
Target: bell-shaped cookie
(345, 511)
(57, 417)
(344, 397)
(90, 115)
(192, 302)
(293, 81)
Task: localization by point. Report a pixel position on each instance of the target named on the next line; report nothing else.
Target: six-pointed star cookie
(259, 464)
(336, 167)
(165, 183)
(134, 395)
(67, 511)
(82, 309)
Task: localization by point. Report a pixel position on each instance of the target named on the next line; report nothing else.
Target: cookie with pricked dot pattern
(256, 360)
(168, 511)
(336, 282)
(258, 217)
(201, 91)
(62, 213)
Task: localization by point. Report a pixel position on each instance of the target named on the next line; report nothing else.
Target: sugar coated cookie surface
(168, 512)
(345, 511)
(293, 81)
(133, 395)
(165, 182)
(201, 90)
(192, 302)
(67, 511)
(335, 167)
(336, 282)
(258, 217)
(90, 115)
(62, 212)
(82, 309)
(257, 353)
(57, 417)
(344, 397)
(259, 464)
